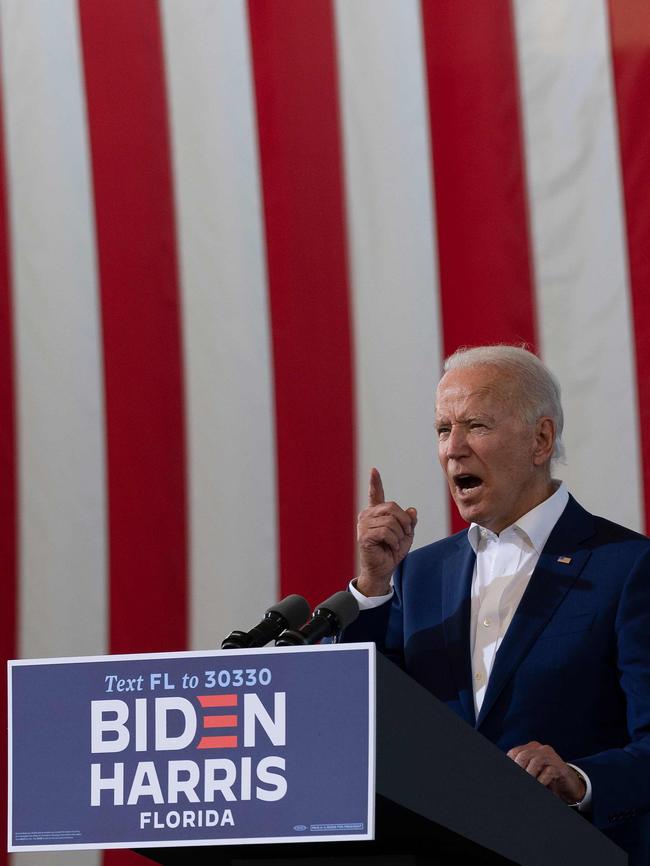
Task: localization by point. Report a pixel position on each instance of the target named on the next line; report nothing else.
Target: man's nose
(456, 444)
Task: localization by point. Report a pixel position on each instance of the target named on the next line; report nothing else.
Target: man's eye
(475, 425)
(443, 431)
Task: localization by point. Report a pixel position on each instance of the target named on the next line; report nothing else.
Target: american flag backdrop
(236, 241)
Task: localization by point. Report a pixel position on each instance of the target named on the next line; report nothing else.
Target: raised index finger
(375, 488)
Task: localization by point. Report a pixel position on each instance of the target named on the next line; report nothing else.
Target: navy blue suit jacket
(573, 670)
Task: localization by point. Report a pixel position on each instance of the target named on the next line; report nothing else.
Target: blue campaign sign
(226, 747)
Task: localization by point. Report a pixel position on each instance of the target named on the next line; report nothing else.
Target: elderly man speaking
(533, 624)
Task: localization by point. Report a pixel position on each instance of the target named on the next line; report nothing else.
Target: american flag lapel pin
(565, 560)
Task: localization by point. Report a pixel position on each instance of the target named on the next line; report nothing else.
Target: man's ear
(544, 441)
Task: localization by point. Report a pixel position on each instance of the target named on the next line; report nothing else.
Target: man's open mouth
(465, 481)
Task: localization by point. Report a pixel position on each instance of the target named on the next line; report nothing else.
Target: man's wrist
(583, 804)
(372, 588)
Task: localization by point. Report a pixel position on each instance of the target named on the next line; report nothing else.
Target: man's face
(494, 462)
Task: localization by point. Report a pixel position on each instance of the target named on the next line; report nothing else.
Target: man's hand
(385, 535)
(547, 767)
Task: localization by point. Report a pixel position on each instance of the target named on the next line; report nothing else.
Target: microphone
(332, 615)
(291, 612)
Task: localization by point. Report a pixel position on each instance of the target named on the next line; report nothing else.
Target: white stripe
(579, 249)
(394, 279)
(62, 510)
(233, 544)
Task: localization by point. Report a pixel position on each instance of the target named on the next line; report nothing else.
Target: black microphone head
(343, 605)
(289, 613)
(294, 609)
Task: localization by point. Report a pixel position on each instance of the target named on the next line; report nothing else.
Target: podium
(439, 792)
(444, 795)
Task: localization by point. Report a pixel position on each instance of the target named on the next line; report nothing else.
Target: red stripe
(140, 314)
(630, 35)
(217, 743)
(294, 64)
(220, 722)
(481, 211)
(8, 543)
(140, 309)
(218, 700)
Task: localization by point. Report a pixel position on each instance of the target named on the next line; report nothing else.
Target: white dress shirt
(503, 567)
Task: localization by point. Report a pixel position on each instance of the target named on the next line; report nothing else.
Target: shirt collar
(537, 524)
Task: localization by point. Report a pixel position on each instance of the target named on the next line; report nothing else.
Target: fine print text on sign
(268, 745)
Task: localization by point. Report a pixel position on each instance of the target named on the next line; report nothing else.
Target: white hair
(538, 389)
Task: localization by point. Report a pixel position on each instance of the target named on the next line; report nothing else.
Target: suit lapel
(457, 572)
(558, 567)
